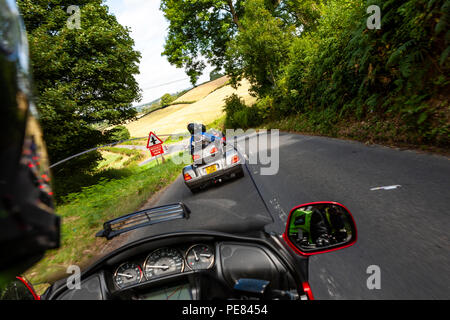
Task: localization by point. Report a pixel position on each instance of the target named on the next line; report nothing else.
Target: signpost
(154, 144)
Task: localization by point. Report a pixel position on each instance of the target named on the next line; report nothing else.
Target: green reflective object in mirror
(320, 227)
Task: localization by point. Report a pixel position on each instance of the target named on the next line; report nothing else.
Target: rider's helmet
(196, 128)
(28, 225)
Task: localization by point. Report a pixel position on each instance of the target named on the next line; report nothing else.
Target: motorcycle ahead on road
(206, 265)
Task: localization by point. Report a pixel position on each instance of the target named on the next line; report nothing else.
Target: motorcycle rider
(199, 135)
(336, 223)
(309, 226)
(318, 226)
(28, 224)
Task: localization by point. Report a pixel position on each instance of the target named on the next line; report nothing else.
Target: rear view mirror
(319, 227)
(18, 289)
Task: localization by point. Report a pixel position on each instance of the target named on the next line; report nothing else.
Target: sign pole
(153, 140)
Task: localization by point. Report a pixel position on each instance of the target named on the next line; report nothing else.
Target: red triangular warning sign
(153, 140)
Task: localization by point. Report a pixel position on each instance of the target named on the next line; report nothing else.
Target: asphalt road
(403, 231)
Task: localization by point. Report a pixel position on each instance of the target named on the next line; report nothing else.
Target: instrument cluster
(162, 262)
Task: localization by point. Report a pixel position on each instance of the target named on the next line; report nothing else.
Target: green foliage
(199, 29)
(166, 100)
(218, 124)
(182, 102)
(68, 180)
(118, 133)
(336, 70)
(207, 28)
(124, 151)
(215, 74)
(101, 199)
(238, 115)
(266, 108)
(260, 49)
(82, 76)
(153, 107)
(175, 139)
(347, 71)
(302, 14)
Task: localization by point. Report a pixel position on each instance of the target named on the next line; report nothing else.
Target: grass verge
(111, 160)
(218, 124)
(86, 211)
(137, 142)
(390, 132)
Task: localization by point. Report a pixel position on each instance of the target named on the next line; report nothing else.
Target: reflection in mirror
(17, 290)
(319, 227)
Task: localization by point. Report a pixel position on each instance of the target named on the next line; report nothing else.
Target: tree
(166, 100)
(215, 74)
(303, 14)
(200, 31)
(261, 48)
(82, 76)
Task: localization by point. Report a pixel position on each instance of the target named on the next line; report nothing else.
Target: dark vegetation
(317, 68)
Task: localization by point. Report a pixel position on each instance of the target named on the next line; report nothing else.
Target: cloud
(149, 29)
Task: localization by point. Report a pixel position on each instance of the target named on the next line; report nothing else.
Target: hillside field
(208, 107)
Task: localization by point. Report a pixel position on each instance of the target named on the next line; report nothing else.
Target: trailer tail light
(187, 177)
(235, 159)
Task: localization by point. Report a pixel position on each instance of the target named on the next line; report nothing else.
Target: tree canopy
(82, 76)
(167, 99)
(322, 61)
(202, 31)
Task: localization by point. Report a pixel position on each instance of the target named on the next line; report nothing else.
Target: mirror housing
(320, 227)
(19, 289)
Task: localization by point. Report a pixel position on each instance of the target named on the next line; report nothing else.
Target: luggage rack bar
(139, 219)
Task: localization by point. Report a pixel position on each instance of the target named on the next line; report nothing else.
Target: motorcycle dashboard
(181, 268)
(161, 263)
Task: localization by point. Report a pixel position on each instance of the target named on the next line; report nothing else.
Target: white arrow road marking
(386, 188)
(277, 207)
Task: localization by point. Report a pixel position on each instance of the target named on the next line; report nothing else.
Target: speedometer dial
(127, 274)
(200, 257)
(163, 262)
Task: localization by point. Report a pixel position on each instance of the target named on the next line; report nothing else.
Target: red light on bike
(187, 177)
(195, 157)
(235, 159)
(214, 150)
(307, 290)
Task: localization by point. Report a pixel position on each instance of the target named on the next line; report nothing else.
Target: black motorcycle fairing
(243, 260)
(100, 268)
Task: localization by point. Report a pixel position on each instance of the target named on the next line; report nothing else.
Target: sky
(149, 29)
